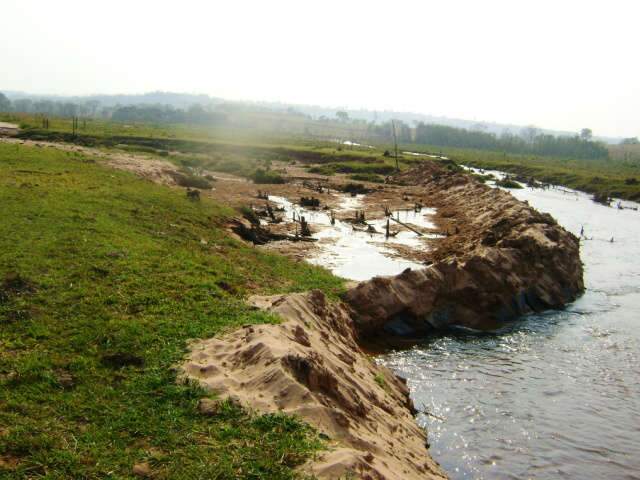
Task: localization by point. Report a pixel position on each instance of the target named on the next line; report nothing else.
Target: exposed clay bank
(501, 259)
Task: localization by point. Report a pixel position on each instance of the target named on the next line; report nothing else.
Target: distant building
(8, 129)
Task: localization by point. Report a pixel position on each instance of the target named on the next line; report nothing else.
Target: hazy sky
(560, 64)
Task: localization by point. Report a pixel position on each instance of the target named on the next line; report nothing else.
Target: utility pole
(395, 142)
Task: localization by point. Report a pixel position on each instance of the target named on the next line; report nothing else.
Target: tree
(93, 105)
(630, 141)
(479, 127)
(530, 133)
(5, 103)
(586, 134)
(23, 105)
(342, 116)
(69, 109)
(43, 106)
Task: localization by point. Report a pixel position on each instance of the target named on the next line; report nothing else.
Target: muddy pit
(348, 246)
(351, 251)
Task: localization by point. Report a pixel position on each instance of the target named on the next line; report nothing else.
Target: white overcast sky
(560, 64)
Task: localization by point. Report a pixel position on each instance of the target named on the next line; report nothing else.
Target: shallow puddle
(355, 254)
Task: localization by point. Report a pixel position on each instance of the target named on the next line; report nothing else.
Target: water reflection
(355, 254)
(550, 396)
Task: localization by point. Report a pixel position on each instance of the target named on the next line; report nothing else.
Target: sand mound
(501, 259)
(311, 366)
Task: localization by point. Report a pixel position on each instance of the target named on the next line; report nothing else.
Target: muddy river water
(551, 396)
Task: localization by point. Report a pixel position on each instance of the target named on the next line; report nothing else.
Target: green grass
(243, 150)
(264, 177)
(508, 183)
(97, 265)
(611, 176)
(355, 167)
(366, 177)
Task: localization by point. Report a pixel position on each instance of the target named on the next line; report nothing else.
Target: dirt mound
(501, 259)
(311, 366)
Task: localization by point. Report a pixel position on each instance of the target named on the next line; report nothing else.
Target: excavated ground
(311, 366)
(499, 258)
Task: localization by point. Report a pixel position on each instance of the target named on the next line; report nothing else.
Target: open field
(243, 150)
(245, 127)
(614, 176)
(103, 279)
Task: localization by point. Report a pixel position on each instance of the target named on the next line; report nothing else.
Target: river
(555, 395)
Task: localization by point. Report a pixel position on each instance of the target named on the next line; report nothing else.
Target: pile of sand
(502, 259)
(311, 366)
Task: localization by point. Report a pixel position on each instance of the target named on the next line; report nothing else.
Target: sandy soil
(311, 366)
(501, 259)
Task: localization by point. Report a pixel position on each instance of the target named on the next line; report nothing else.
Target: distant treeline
(159, 113)
(89, 108)
(530, 141)
(124, 113)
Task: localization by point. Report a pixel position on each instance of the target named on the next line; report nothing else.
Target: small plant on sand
(380, 380)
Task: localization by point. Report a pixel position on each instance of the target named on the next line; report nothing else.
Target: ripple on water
(550, 396)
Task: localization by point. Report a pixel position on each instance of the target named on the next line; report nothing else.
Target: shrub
(191, 181)
(508, 183)
(262, 176)
(355, 188)
(228, 166)
(367, 177)
(322, 170)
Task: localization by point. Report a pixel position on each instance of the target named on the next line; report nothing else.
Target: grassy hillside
(103, 279)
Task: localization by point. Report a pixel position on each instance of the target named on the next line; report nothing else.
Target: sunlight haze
(561, 65)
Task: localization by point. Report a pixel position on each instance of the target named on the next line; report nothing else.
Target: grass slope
(103, 279)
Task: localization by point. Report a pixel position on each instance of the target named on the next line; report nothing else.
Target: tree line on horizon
(528, 140)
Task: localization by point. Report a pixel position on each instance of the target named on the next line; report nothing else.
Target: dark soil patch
(121, 360)
(14, 285)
